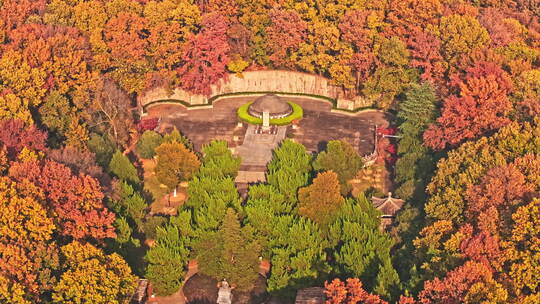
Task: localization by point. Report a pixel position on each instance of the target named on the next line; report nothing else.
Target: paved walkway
(256, 153)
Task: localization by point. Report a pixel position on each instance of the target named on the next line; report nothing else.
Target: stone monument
(224, 293)
(266, 121)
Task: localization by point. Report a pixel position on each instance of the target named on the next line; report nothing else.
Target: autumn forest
(82, 171)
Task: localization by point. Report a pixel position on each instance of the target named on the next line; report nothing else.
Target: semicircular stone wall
(260, 81)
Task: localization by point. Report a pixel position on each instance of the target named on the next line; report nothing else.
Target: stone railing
(261, 81)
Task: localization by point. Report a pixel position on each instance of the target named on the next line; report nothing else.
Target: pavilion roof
(387, 205)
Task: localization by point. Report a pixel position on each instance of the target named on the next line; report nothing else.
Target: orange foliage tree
(482, 106)
(349, 292)
(321, 200)
(77, 201)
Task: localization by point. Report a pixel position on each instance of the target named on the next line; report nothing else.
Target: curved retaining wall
(277, 81)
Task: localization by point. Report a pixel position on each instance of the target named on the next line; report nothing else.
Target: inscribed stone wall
(255, 81)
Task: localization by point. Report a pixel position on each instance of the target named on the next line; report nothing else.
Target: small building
(311, 295)
(389, 206)
(271, 104)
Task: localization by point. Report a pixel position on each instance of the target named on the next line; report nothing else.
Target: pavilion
(389, 206)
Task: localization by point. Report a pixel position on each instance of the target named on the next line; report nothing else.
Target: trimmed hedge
(296, 114)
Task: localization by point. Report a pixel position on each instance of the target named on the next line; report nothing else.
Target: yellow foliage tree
(12, 106)
(523, 248)
(93, 277)
(460, 35)
(76, 135)
(175, 163)
(21, 80)
(25, 232)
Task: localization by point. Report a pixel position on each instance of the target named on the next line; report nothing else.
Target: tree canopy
(459, 79)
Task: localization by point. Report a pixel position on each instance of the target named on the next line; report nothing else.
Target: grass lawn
(151, 184)
(159, 192)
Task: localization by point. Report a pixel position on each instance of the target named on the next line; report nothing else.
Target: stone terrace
(318, 126)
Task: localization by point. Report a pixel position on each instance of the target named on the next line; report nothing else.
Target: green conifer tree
(123, 168)
(147, 144)
(231, 253)
(341, 158)
(167, 260)
(289, 169)
(218, 161)
(360, 249)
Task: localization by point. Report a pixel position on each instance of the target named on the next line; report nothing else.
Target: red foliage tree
(482, 247)
(63, 53)
(349, 292)
(501, 187)
(406, 300)
(455, 286)
(77, 201)
(147, 124)
(14, 136)
(408, 16)
(425, 49)
(205, 56)
(14, 12)
(285, 34)
(500, 31)
(482, 106)
(355, 30)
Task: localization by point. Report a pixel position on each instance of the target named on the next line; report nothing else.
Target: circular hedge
(297, 113)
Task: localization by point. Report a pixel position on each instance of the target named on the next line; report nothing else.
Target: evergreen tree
(387, 281)
(130, 209)
(148, 142)
(360, 248)
(130, 204)
(102, 147)
(176, 136)
(341, 158)
(271, 197)
(264, 204)
(412, 173)
(294, 244)
(128, 246)
(218, 160)
(298, 255)
(209, 199)
(416, 112)
(289, 169)
(231, 253)
(167, 260)
(123, 168)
